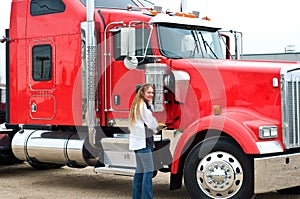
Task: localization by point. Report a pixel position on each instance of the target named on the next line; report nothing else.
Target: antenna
(183, 6)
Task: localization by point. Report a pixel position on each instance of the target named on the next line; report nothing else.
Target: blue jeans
(142, 181)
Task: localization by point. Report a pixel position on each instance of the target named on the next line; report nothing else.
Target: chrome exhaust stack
(89, 72)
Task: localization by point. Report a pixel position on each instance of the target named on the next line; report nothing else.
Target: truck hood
(234, 85)
(232, 65)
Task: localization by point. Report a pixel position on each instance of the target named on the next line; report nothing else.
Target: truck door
(41, 80)
(125, 79)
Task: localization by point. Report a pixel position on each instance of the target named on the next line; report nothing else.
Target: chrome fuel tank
(49, 147)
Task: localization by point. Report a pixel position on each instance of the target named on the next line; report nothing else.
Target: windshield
(119, 4)
(189, 42)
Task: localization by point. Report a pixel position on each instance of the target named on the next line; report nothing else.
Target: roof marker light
(189, 15)
(154, 11)
(206, 18)
(179, 14)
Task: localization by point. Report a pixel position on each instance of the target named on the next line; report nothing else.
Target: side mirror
(128, 41)
(131, 62)
(128, 44)
(227, 45)
(238, 43)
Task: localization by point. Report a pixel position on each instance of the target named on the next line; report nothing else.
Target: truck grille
(290, 85)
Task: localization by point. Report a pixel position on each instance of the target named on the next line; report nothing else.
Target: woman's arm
(147, 117)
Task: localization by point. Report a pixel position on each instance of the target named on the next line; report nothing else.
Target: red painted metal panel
(42, 107)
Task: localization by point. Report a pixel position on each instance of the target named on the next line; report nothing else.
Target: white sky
(268, 26)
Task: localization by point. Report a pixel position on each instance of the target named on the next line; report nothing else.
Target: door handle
(33, 107)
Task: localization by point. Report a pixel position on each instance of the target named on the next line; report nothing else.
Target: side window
(117, 46)
(42, 62)
(43, 7)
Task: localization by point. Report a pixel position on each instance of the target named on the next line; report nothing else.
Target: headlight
(268, 132)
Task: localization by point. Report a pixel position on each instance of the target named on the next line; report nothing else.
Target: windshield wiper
(197, 44)
(211, 50)
(207, 45)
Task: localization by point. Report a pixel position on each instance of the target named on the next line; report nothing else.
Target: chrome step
(115, 170)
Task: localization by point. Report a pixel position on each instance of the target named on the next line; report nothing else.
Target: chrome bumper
(277, 172)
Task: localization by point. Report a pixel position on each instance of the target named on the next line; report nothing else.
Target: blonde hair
(137, 101)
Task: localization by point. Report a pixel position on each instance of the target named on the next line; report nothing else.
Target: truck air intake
(155, 75)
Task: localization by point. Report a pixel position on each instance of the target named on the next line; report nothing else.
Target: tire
(7, 158)
(218, 169)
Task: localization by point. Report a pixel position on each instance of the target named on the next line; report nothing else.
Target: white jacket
(137, 138)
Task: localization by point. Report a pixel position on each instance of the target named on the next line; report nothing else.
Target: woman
(142, 127)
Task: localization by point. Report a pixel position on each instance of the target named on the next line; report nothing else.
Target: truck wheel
(218, 169)
(7, 158)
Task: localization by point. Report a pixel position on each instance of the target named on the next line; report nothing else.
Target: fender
(239, 132)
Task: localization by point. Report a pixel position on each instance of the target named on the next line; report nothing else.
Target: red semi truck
(231, 126)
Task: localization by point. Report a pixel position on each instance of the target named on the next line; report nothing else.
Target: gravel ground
(23, 182)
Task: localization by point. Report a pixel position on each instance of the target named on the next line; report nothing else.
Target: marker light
(266, 132)
(206, 18)
(179, 14)
(217, 110)
(154, 11)
(189, 15)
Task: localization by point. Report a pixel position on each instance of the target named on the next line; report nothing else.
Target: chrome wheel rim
(219, 175)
